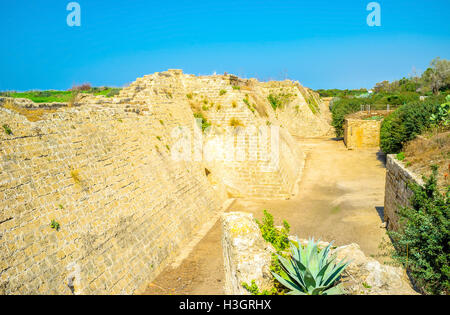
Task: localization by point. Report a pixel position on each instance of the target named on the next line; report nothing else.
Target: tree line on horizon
(434, 80)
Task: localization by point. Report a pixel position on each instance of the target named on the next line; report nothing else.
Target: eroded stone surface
(365, 275)
(247, 256)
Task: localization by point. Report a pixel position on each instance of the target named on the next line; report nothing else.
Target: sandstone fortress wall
(105, 171)
(397, 193)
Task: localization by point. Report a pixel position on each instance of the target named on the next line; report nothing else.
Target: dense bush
(442, 116)
(422, 243)
(406, 123)
(342, 108)
(340, 93)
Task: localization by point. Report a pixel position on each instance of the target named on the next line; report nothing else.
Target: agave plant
(311, 271)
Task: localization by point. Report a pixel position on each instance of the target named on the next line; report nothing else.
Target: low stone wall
(397, 194)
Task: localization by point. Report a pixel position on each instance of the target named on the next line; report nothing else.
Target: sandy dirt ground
(340, 198)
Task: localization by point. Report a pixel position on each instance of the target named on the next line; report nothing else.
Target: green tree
(438, 75)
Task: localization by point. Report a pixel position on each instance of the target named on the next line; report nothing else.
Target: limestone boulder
(247, 256)
(366, 276)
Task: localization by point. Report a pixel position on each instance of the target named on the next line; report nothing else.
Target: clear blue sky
(322, 44)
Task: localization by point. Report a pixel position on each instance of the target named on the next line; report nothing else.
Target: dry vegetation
(31, 114)
(428, 149)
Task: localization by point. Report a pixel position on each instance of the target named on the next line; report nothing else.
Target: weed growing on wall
(279, 100)
(254, 290)
(400, 156)
(234, 122)
(201, 121)
(279, 238)
(8, 130)
(55, 225)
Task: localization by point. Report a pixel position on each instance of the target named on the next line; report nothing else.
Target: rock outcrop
(247, 258)
(367, 276)
(246, 255)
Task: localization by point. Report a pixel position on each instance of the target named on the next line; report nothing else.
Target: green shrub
(422, 242)
(254, 290)
(442, 116)
(222, 92)
(113, 92)
(340, 93)
(201, 121)
(279, 238)
(401, 156)
(279, 100)
(342, 108)
(406, 123)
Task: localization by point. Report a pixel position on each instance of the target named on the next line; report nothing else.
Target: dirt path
(340, 198)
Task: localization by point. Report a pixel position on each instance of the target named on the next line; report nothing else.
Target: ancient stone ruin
(99, 196)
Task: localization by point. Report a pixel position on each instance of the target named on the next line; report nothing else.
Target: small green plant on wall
(55, 225)
(279, 238)
(7, 129)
